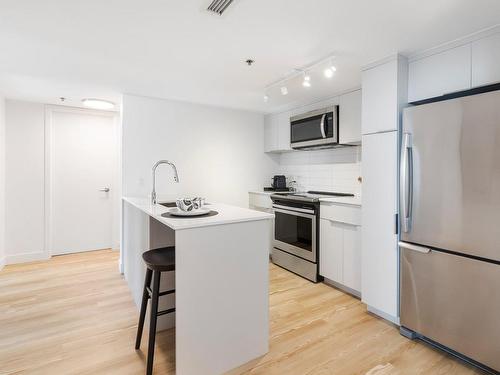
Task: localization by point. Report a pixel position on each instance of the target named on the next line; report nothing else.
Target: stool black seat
(162, 259)
(157, 261)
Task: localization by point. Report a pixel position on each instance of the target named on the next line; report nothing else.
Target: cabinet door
(270, 133)
(283, 120)
(486, 61)
(352, 257)
(331, 250)
(260, 200)
(380, 97)
(379, 250)
(350, 118)
(440, 74)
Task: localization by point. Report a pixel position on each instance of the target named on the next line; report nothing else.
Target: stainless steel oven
(296, 236)
(295, 231)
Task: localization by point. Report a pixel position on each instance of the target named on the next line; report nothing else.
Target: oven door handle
(294, 210)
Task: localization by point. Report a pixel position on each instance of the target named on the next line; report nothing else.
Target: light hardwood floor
(74, 314)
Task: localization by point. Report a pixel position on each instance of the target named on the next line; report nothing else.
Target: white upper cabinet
(486, 61)
(379, 93)
(350, 118)
(270, 133)
(440, 74)
(277, 125)
(277, 132)
(284, 131)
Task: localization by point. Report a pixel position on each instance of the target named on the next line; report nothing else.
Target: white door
(83, 162)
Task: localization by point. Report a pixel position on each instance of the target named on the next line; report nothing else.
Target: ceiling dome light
(284, 90)
(307, 80)
(266, 98)
(98, 103)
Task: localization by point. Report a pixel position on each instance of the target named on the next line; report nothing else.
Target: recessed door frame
(49, 162)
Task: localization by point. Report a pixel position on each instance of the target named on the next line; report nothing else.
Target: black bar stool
(157, 261)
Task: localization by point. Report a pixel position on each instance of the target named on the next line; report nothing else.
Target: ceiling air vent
(219, 6)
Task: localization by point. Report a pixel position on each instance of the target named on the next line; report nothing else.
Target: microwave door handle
(322, 126)
(406, 181)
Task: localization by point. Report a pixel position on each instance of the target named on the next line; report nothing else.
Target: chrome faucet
(176, 177)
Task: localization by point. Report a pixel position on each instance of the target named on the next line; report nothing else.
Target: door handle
(106, 189)
(406, 182)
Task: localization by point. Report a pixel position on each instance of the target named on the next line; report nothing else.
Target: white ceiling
(175, 49)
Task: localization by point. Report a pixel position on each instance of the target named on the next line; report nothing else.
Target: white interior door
(83, 161)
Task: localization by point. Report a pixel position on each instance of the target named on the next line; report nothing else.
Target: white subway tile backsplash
(327, 170)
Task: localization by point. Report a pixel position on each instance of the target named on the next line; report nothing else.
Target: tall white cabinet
(384, 89)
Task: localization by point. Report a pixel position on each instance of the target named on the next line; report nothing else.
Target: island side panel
(142, 233)
(162, 236)
(135, 234)
(222, 300)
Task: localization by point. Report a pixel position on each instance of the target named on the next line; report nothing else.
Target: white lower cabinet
(331, 250)
(352, 257)
(262, 202)
(340, 246)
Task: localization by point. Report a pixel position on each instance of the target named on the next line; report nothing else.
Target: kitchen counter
(226, 214)
(356, 200)
(221, 281)
(261, 192)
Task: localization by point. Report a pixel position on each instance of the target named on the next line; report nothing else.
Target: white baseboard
(26, 257)
(343, 288)
(2, 263)
(390, 318)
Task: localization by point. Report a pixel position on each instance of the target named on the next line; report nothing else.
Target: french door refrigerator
(450, 226)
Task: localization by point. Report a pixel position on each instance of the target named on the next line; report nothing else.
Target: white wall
(324, 170)
(2, 182)
(219, 153)
(24, 181)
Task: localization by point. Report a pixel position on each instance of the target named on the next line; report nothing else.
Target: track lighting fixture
(330, 71)
(307, 80)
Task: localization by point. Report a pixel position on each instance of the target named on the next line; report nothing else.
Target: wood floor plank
(74, 314)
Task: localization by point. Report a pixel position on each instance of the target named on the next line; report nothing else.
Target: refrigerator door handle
(410, 246)
(406, 181)
(322, 126)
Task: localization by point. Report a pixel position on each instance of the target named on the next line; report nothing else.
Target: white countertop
(356, 200)
(227, 214)
(261, 192)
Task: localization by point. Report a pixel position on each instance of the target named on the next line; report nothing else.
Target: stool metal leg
(144, 305)
(152, 322)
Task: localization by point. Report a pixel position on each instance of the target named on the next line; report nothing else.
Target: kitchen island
(221, 281)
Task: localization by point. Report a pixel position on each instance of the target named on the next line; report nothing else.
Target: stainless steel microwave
(315, 129)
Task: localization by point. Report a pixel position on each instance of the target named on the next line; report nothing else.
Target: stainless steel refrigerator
(450, 226)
